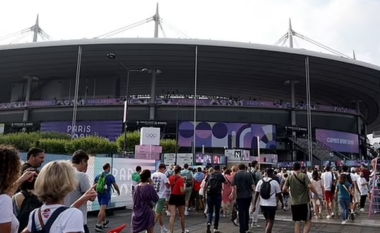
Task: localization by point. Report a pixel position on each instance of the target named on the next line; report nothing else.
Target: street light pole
(126, 102)
(112, 56)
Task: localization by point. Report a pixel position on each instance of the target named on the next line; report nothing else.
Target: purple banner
(172, 101)
(338, 141)
(106, 129)
(231, 135)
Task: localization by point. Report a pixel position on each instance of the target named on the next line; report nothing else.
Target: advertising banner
(106, 129)
(231, 135)
(338, 141)
(150, 136)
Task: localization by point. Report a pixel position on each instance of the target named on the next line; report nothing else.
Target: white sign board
(185, 158)
(150, 136)
(169, 159)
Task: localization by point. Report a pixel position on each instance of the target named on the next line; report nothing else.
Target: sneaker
(168, 213)
(254, 224)
(344, 222)
(234, 222)
(328, 216)
(333, 215)
(362, 210)
(164, 230)
(98, 228)
(216, 230)
(208, 228)
(352, 216)
(105, 224)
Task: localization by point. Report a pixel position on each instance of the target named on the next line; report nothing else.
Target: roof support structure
(291, 33)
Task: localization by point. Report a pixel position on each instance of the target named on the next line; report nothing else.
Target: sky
(344, 25)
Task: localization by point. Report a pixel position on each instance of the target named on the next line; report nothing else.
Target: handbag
(332, 187)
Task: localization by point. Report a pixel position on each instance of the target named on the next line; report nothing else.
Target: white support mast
(36, 30)
(290, 34)
(157, 22)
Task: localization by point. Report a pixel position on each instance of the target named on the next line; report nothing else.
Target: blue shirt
(343, 193)
(109, 180)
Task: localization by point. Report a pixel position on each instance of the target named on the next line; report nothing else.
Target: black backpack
(214, 186)
(29, 204)
(50, 221)
(265, 189)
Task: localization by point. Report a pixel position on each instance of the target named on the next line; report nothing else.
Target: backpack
(101, 186)
(50, 221)
(189, 179)
(265, 189)
(214, 186)
(29, 204)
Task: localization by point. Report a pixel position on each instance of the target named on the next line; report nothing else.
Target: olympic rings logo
(151, 135)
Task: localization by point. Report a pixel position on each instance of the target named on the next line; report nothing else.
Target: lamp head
(145, 70)
(111, 56)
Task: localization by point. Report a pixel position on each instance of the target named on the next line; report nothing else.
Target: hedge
(59, 143)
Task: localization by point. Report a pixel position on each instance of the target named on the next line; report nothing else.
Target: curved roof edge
(189, 42)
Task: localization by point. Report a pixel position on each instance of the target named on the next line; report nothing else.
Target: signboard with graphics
(105, 129)
(338, 141)
(150, 136)
(230, 135)
(183, 158)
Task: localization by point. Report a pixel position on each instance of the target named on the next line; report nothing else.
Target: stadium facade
(242, 91)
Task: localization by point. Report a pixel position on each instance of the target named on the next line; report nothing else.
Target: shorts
(177, 200)
(104, 200)
(301, 212)
(269, 212)
(357, 196)
(329, 196)
(160, 206)
(188, 193)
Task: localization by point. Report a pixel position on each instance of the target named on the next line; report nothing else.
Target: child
(363, 187)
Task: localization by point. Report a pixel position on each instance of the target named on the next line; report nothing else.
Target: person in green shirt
(135, 178)
(299, 184)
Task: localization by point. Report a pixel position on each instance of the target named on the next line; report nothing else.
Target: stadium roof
(224, 68)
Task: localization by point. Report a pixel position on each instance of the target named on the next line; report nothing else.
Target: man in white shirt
(161, 183)
(268, 203)
(329, 184)
(80, 163)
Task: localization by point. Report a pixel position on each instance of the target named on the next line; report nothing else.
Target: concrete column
(152, 106)
(29, 81)
(293, 114)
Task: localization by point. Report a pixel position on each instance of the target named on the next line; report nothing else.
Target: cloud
(343, 25)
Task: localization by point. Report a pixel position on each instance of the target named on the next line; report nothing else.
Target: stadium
(233, 92)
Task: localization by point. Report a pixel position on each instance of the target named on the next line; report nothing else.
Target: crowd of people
(54, 199)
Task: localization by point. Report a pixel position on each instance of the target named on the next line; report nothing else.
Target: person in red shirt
(177, 198)
(365, 171)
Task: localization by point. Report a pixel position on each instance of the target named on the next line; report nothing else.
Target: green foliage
(22, 141)
(133, 139)
(55, 135)
(53, 146)
(58, 143)
(168, 146)
(92, 145)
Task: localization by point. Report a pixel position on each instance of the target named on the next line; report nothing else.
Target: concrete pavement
(196, 223)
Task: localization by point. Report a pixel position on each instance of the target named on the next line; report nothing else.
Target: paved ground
(196, 223)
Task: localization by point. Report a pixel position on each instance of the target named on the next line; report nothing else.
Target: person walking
(342, 194)
(104, 181)
(214, 197)
(317, 203)
(243, 188)
(160, 184)
(144, 199)
(269, 192)
(300, 185)
(257, 176)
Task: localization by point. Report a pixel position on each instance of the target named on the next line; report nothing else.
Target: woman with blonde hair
(55, 181)
(10, 180)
